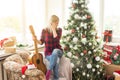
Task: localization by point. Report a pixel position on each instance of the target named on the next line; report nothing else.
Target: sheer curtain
(17, 15)
(34, 14)
(10, 18)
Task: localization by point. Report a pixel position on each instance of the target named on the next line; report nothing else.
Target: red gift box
(107, 36)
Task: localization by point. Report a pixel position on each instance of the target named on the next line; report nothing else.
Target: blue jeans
(54, 62)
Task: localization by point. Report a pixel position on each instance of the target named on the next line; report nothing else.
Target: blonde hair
(54, 18)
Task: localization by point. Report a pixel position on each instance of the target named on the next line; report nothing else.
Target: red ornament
(73, 31)
(83, 36)
(88, 16)
(96, 37)
(85, 51)
(65, 48)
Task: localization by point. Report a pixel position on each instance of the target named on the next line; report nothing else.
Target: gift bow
(2, 41)
(107, 34)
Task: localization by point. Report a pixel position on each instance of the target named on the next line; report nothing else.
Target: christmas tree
(81, 44)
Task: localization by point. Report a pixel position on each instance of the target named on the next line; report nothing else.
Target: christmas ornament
(83, 36)
(73, 31)
(94, 50)
(85, 51)
(69, 54)
(82, 6)
(65, 48)
(76, 16)
(98, 72)
(83, 40)
(93, 69)
(88, 16)
(72, 65)
(77, 69)
(85, 27)
(83, 74)
(89, 66)
(89, 52)
(97, 66)
(75, 39)
(88, 75)
(71, 46)
(78, 28)
(90, 44)
(81, 54)
(97, 58)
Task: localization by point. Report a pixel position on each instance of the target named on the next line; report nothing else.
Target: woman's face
(55, 24)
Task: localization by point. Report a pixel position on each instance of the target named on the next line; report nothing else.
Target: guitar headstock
(32, 30)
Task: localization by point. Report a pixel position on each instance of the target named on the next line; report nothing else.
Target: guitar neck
(35, 40)
(35, 44)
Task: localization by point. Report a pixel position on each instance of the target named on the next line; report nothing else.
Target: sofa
(13, 67)
(14, 63)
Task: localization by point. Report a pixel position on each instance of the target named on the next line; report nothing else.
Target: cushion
(33, 72)
(16, 58)
(24, 55)
(12, 66)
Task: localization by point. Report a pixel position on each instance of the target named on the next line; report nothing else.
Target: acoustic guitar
(37, 58)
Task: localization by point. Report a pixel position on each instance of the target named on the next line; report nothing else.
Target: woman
(53, 52)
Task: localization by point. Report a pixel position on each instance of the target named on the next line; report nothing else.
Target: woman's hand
(35, 39)
(54, 28)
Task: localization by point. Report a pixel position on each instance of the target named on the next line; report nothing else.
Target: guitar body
(37, 58)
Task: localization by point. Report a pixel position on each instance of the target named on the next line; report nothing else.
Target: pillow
(12, 66)
(16, 58)
(24, 55)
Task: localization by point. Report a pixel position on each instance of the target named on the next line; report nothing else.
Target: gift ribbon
(107, 34)
(2, 41)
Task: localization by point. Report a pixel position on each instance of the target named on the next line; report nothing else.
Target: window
(112, 18)
(10, 18)
(17, 15)
(34, 14)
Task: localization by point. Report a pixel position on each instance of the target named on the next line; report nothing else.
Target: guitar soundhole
(38, 61)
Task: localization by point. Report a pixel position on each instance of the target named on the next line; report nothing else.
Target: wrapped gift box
(107, 36)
